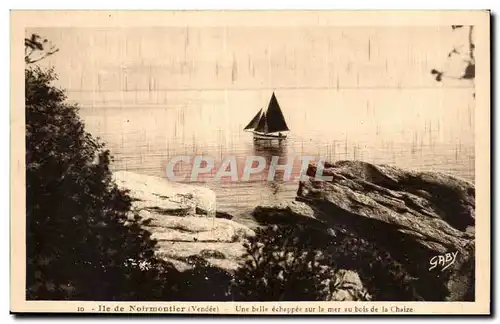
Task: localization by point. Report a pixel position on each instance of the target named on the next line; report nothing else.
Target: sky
(98, 60)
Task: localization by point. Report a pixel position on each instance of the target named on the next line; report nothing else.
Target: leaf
(438, 74)
(453, 51)
(470, 72)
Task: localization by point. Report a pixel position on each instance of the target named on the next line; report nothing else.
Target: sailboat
(268, 123)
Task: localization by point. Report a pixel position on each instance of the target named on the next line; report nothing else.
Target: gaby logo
(444, 261)
(251, 168)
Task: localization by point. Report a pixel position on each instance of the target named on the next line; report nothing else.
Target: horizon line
(279, 88)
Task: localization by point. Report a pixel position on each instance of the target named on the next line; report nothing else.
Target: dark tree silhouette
(282, 265)
(292, 262)
(37, 48)
(82, 241)
(469, 72)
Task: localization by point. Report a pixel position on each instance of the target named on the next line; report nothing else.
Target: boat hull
(268, 136)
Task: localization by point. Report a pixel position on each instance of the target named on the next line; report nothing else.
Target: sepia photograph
(274, 160)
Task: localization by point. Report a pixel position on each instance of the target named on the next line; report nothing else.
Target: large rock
(161, 196)
(184, 221)
(413, 215)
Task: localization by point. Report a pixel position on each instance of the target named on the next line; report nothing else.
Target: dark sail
(254, 122)
(274, 117)
(270, 120)
(262, 125)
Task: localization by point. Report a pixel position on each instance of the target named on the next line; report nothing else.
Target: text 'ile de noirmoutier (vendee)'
(254, 309)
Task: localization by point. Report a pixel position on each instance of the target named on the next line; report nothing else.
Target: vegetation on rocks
(368, 233)
(81, 244)
(291, 262)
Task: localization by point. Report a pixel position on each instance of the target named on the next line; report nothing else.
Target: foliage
(36, 49)
(290, 262)
(384, 278)
(204, 282)
(280, 266)
(82, 241)
(469, 72)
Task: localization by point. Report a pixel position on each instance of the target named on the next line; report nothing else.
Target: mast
(262, 125)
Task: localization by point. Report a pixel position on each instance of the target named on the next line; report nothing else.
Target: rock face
(414, 215)
(160, 196)
(184, 221)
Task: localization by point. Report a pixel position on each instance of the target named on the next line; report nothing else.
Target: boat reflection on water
(269, 141)
(269, 149)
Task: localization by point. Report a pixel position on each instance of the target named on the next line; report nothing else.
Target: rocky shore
(184, 221)
(424, 220)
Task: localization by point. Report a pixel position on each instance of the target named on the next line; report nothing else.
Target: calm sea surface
(428, 129)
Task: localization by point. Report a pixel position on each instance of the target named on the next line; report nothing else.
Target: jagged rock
(161, 196)
(283, 212)
(291, 213)
(285, 208)
(196, 229)
(183, 219)
(413, 215)
(225, 255)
